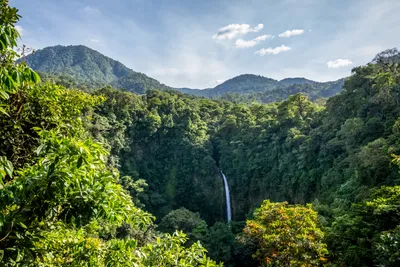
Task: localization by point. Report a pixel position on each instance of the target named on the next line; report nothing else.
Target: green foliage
(168, 251)
(60, 200)
(64, 202)
(367, 233)
(46, 106)
(62, 247)
(286, 235)
(293, 150)
(220, 243)
(12, 76)
(184, 220)
(387, 248)
(163, 138)
(6, 169)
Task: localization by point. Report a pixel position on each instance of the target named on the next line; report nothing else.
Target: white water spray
(227, 197)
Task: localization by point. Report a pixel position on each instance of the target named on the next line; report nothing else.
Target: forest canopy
(92, 175)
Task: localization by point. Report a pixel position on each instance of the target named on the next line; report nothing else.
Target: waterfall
(228, 198)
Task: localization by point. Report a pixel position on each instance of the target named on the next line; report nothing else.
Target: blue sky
(200, 43)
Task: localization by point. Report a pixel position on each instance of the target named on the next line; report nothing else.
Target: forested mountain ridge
(312, 183)
(245, 83)
(249, 87)
(83, 67)
(297, 80)
(314, 90)
(82, 63)
(89, 68)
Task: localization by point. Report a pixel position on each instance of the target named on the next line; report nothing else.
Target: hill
(80, 66)
(89, 67)
(249, 87)
(297, 80)
(312, 89)
(81, 62)
(246, 83)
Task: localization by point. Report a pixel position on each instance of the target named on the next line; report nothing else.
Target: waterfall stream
(227, 197)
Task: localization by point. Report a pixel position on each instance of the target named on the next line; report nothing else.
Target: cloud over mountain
(233, 30)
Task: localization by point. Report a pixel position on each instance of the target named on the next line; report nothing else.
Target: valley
(101, 165)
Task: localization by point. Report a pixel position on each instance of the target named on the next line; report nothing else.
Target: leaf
(35, 77)
(37, 129)
(40, 148)
(6, 166)
(51, 169)
(23, 225)
(4, 95)
(3, 111)
(80, 160)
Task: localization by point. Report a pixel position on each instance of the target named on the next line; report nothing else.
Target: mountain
(312, 89)
(246, 83)
(80, 66)
(249, 87)
(81, 62)
(195, 92)
(297, 80)
(87, 66)
(138, 83)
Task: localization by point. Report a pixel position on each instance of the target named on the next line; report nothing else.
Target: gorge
(104, 166)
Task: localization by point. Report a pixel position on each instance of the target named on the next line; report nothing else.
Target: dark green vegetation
(82, 67)
(248, 87)
(81, 171)
(61, 203)
(86, 67)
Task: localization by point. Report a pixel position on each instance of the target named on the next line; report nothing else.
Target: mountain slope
(297, 80)
(80, 66)
(312, 89)
(248, 87)
(81, 62)
(246, 83)
(89, 67)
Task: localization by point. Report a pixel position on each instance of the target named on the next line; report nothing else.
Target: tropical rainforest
(104, 166)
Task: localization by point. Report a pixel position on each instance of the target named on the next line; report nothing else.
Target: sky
(201, 43)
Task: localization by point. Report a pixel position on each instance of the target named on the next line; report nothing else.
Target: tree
(367, 234)
(388, 59)
(286, 235)
(184, 220)
(219, 242)
(12, 76)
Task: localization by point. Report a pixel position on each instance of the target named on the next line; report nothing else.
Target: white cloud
(94, 40)
(240, 43)
(20, 29)
(215, 83)
(339, 63)
(272, 51)
(290, 33)
(233, 30)
(90, 10)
